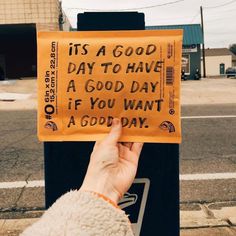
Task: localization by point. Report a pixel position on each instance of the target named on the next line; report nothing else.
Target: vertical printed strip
(56, 87)
(50, 107)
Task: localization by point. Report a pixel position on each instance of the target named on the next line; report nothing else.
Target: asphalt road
(209, 146)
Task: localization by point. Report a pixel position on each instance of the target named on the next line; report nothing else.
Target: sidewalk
(208, 220)
(18, 94)
(22, 94)
(208, 91)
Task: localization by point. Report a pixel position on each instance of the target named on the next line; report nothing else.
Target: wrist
(103, 189)
(103, 197)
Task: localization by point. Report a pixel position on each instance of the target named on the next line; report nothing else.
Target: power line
(127, 9)
(221, 5)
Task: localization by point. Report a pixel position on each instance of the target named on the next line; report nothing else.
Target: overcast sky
(219, 15)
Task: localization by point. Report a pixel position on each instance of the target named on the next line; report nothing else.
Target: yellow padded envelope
(85, 79)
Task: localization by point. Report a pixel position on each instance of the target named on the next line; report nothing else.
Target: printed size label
(85, 79)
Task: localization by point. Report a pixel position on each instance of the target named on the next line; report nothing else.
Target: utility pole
(60, 17)
(203, 45)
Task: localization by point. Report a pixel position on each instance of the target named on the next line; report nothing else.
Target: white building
(218, 60)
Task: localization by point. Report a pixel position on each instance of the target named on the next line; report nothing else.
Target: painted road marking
(22, 184)
(208, 117)
(186, 177)
(208, 176)
(14, 96)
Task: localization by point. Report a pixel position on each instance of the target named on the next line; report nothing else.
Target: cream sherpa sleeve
(80, 213)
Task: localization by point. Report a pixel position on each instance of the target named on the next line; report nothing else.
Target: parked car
(231, 72)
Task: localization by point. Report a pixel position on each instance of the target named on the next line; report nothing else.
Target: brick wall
(42, 12)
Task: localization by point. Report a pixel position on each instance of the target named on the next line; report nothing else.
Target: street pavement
(208, 147)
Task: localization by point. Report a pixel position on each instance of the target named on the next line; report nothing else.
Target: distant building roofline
(192, 32)
(219, 52)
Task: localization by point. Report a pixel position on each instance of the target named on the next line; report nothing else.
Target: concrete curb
(15, 226)
(205, 218)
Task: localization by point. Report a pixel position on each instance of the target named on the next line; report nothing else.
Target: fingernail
(115, 122)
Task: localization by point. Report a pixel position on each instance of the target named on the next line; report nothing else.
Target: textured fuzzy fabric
(80, 213)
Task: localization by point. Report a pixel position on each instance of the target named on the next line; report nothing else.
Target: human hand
(112, 166)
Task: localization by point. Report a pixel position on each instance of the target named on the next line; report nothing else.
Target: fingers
(137, 148)
(115, 133)
(132, 155)
(123, 151)
(128, 145)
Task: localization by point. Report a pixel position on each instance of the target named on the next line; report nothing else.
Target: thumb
(115, 133)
